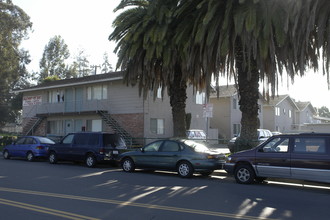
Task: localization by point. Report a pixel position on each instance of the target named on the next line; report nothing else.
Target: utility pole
(95, 68)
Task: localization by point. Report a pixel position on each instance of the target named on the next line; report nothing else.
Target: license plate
(115, 152)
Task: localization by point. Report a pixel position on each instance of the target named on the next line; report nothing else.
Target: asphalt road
(39, 190)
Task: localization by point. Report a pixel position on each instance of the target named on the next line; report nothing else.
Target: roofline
(68, 85)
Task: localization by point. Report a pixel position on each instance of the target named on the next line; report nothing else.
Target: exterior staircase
(110, 121)
(32, 125)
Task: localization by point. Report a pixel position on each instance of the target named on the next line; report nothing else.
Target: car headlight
(229, 159)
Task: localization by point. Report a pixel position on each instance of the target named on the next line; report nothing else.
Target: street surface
(39, 190)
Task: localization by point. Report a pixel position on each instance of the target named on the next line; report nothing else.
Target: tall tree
(53, 59)
(82, 62)
(253, 40)
(106, 66)
(147, 53)
(14, 27)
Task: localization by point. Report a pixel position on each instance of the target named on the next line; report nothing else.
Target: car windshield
(43, 140)
(198, 147)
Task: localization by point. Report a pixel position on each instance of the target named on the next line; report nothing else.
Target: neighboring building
(304, 115)
(227, 115)
(280, 114)
(102, 103)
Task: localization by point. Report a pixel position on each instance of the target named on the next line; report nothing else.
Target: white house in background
(103, 103)
(226, 113)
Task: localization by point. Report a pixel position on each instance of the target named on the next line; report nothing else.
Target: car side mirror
(142, 150)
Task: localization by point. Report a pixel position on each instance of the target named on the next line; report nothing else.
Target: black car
(303, 156)
(90, 147)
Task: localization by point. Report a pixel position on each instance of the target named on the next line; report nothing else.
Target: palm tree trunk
(248, 89)
(178, 96)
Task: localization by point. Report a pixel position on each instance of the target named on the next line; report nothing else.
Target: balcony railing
(65, 107)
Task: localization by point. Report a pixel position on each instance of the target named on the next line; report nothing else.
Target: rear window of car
(43, 140)
(113, 140)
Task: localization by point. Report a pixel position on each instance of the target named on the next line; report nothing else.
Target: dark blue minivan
(90, 147)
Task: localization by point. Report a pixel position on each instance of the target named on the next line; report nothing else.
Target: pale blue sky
(88, 23)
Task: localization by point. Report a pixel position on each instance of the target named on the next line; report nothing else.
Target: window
(55, 127)
(200, 98)
(277, 145)
(290, 113)
(284, 111)
(157, 126)
(159, 93)
(309, 145)
(55, 96)
(234, 103)
(277, 111)
(97, 92)
(68, 139)
(236, 129)
(153, 146)
(170, 146)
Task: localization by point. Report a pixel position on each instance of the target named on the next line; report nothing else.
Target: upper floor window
(234, 103)
(200, 98)
(159, 93)
(290, 113)
(97, 92)
(55, 96)
(277, 111)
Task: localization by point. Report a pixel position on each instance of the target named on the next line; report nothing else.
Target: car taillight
(40, 147)
(102, 151)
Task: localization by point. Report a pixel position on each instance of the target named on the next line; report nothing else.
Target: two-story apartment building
(102, 103)
(227, 115)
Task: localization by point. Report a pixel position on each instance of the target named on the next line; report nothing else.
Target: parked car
(196, 134)
(263, 135)
(183, 156)
(291, 156)
(29, 147)
(90, 147)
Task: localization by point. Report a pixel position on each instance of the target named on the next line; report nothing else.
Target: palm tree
(252, 41)
(148, 54)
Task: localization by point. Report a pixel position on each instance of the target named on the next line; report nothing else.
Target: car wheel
(90, 160)
(244, 174)
(128, 165)
(52, 158)
(206, 173)
(185, 169)
(29, 156)
(6, 154)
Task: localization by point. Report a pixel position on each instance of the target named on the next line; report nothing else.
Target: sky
(87, 24)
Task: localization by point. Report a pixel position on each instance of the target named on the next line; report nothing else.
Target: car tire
(244, 174)
(52, 158)
(185, 169)
(128, 165)
(29, 156)
(6, 154)
(90, 161)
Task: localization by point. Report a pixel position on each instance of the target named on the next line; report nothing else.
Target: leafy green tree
(83, 65)
(52, 63)
(147, 53)
(253, 41)
(14, 27)
(106, 66)
(324, 112)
